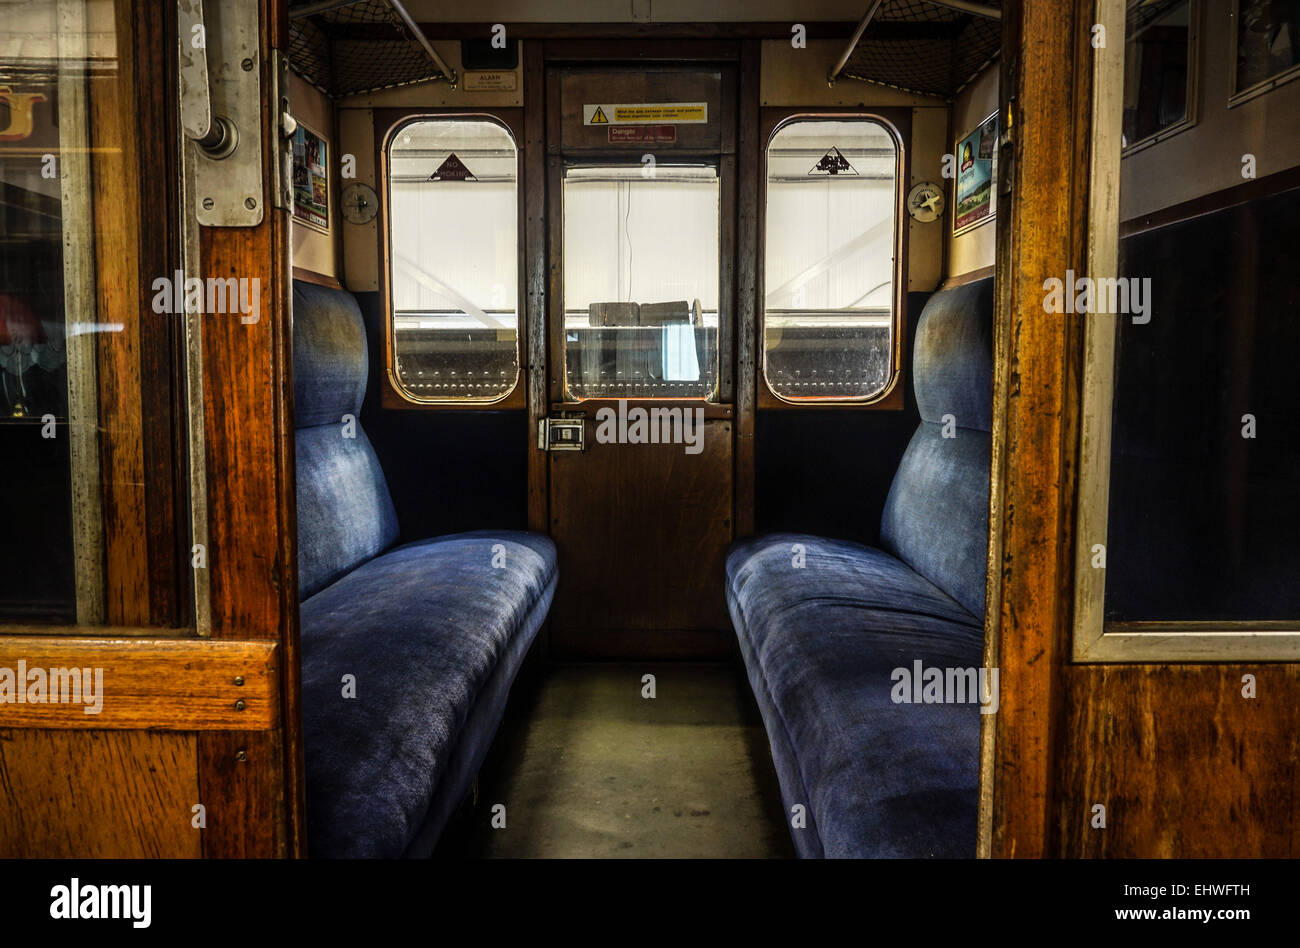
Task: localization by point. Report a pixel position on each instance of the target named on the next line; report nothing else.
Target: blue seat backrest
(936, 518)
(345, 513)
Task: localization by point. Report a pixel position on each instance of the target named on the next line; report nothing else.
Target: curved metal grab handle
(216, 136)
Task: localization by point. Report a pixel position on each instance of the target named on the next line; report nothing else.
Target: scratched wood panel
(98, 795)
(1045, 77)
(246, 807)
(642, 532)
(163, 684)
(1184, 764)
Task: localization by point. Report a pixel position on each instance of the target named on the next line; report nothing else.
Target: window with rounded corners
(831, 259)
(453, 258)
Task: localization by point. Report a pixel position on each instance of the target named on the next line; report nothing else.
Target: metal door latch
(565, 432)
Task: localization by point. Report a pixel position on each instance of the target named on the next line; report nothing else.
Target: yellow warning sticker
(646, 113)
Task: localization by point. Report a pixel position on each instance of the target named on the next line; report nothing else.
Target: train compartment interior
(844, 429)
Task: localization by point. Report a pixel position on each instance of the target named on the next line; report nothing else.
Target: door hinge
(283, 127)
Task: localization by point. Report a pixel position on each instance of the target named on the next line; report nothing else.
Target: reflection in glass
(1156, 69)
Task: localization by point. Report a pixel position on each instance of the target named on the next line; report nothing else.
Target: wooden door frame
(1068, 737)
(201, 710)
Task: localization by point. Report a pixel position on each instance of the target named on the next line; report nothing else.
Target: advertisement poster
(310, 183)
(976, 177)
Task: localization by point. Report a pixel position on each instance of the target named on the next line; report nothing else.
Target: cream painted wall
(1208, 156)
(973, 250)
(357, 137)
(313, 250)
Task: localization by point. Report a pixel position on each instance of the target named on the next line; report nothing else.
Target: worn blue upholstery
(432, 632)
(424, 628)
(345, 513)
(936, 518)
(820, 644)
(822, 625)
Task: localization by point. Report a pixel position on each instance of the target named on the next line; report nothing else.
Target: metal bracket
(282, 134)
(221, 100)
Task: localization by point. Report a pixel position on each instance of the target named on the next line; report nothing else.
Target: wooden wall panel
(642, 532)
(1184, 764)
(97, 795)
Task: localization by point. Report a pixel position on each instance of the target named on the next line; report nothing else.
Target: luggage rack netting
(357, 48)
(924, 48)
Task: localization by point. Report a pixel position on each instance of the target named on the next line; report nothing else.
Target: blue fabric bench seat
(432, 632)
(434, 635)
(819, 644)
(822, 624)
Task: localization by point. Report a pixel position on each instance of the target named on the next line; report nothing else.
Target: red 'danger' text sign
(642, 134)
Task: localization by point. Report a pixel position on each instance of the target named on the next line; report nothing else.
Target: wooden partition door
(148, 635)
(1183, 757)
(642, 526)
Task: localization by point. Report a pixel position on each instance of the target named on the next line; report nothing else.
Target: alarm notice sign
(646, 113)
(643, 134)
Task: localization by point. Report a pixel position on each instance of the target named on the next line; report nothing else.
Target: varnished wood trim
(320, 279)
(535, 278)
(160, 684)
(116, 183)
(747, 302)
(1045, 95)
(974, 276)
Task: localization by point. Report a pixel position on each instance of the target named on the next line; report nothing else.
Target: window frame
(1094, 639)
(898, 123)
(387, 124)
(714, 400)
(1192, 115)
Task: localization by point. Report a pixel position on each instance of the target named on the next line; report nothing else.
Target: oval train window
(453, 258)
(831, 237)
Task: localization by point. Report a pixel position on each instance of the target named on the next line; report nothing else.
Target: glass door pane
(641, 252)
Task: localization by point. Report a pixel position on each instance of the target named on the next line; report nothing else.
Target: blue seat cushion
(433, 632)
(820, 644)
